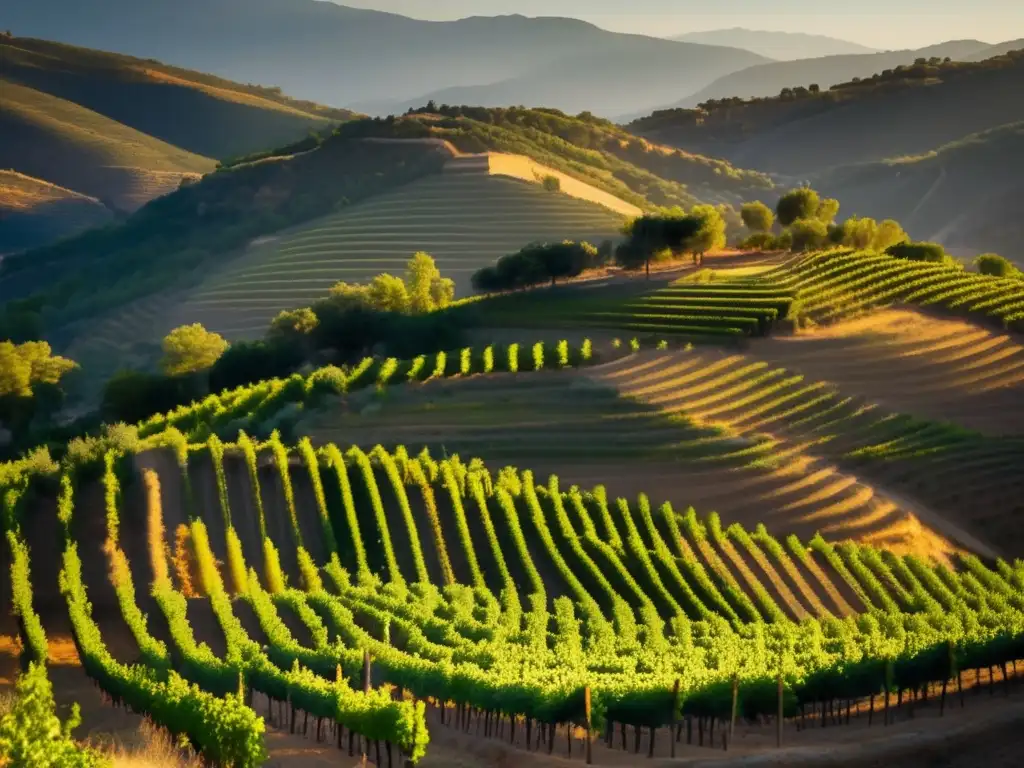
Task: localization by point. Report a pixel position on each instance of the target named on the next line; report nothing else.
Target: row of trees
(664, 237)
(540, 263)
(804, 221)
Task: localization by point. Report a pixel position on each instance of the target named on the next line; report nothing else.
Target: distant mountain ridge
(372, 61)
(781, 46)
(769, 79)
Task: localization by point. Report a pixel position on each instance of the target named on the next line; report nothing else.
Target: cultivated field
(801, 545)
(465, 218)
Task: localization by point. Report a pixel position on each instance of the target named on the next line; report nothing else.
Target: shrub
(759, 241)
(538, 356)
(996, 265)
(551, 183)
(488, 359)
(808, 235)
(562, 351)
(930, 252)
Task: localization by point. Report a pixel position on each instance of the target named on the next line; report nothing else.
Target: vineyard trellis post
(587, 714)
(735, 697)
(778, 735)
(675, 711)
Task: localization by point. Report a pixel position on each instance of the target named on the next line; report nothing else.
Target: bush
(996, 265)
(930, 252)
(808, 235)
(759, 241)
(190, 349)
(551, 183)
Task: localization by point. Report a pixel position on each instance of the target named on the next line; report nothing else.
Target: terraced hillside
(32, 212)
(801, 292)
(465, 218)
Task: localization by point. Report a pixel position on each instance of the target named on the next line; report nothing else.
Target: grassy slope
(66, 144)
(222, 118)
(33, 212)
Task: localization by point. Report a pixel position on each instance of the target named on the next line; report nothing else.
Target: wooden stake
(778, 735)
(675, 710)
(735, 698)
(589, 723)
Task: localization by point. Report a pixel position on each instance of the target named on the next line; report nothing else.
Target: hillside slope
(473, 212)
(194, 111)
(325, 51)
(770, 79)
(922, 107)
(33, 212)
(962, 195)
(61, 142)
(781, 46)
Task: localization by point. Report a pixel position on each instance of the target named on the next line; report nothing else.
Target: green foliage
(808, 235)
(930, 252)
(31, 734)
(551, 183)
(710, 235)
(537, 263)
(758, 217)
(191, 349)
(513, 358)
(798, 204)
(24, 366)
(292, 326)
(427, 289)
(996, 265)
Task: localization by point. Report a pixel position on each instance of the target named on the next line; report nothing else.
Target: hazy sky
(878, 23)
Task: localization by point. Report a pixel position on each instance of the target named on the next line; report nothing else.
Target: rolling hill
(960, 194)
(922, 106)
(362, 158)
(781, 46)
(122, 130)
(769, 79)
(34, 212)
(61, 142)
(224, 118)
(324, 51)
(476, 210)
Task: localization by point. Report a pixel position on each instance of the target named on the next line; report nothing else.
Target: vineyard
(466, 219)
(590, 548)
(811, 290)
(358, 587)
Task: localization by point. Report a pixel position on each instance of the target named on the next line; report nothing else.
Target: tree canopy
(798, 204)
(23, 366)
(191, 349)
(537, 263)
(757, 216)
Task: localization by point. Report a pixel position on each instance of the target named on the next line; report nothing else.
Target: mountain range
(781, 46)
(372, 61)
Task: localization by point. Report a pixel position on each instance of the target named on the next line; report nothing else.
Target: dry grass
(150, 747)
